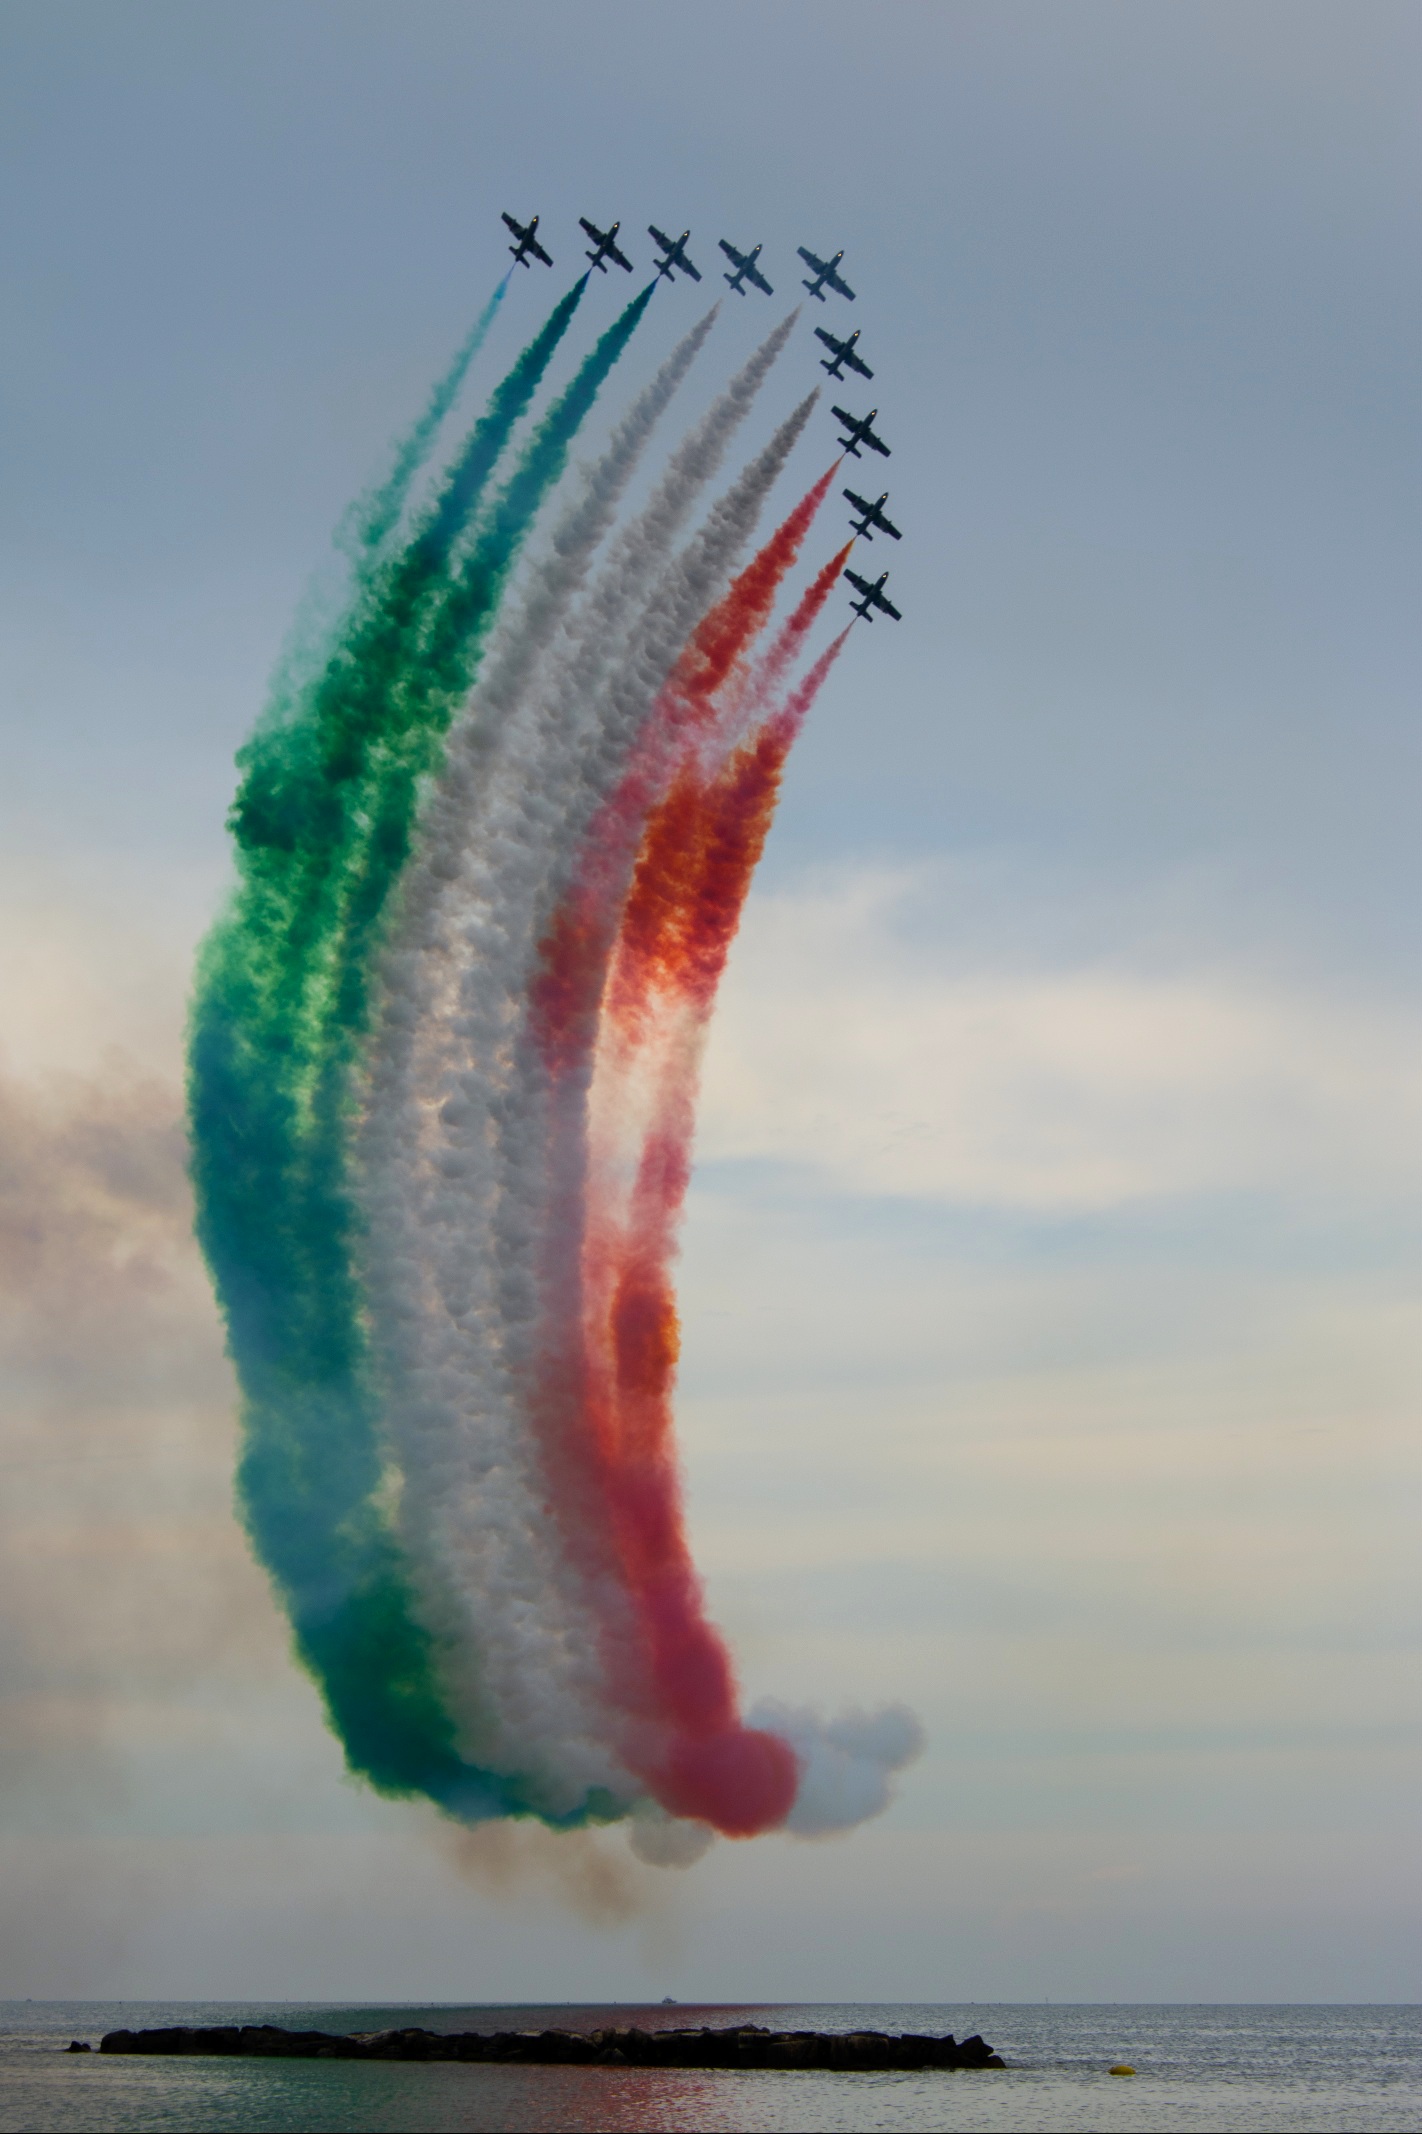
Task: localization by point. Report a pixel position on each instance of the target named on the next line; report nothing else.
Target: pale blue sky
(1052, 1283)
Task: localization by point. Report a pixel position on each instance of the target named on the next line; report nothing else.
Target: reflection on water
(1309, 2070)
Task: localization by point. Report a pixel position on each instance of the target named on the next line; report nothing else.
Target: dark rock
(792, 2052)
(870, 2048)
(747, 2045)
(78, 2045)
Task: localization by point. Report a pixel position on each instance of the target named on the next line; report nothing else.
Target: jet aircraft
(873, 597)
(872, 518)
(861, 432)
(843, 352)
(606, 243)
(825, 275)
(527, 242)
(746, 269)
(675, 249)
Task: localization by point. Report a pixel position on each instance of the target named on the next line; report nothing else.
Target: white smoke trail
(683, 592)
(601, 749)
(435, 1425)
(524, 639)
(537, 1146)
(434, 898)
(642, 549)
(452, 1142)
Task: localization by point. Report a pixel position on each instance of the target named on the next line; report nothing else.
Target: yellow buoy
(1122, 2069)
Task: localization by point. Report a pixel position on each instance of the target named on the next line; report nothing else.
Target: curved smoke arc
(493, 840)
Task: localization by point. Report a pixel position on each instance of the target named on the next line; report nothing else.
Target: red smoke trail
(574, 956)
(693, 873)
(602, 1401)
(789, 641)
(766, 678)
(792, 717)
(698, 855)
(722, 636)
(575, 953)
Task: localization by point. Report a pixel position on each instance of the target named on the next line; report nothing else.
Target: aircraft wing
(592, 229)
(857, 363)
(816, 266)
(514, 226)
(753, 274)
(537, 250)
(875, 444)
(862, 584)
(676, 257)
(738, 259)
(887, 606)
(887, 526)
(837, 282)
(613, 252)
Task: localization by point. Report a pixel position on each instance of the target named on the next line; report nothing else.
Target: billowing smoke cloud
(847, 1764)
(664, 1840)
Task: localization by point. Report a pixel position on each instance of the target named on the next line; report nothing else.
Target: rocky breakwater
(748, 2045)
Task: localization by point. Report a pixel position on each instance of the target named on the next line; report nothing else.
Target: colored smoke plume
(494, 837)
(846, 1764)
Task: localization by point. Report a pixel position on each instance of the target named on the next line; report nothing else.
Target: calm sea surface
(1273, 2068)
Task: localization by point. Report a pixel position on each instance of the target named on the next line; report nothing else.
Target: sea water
(1231, 2069)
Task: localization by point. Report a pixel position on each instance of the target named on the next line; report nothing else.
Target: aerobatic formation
(493, 836)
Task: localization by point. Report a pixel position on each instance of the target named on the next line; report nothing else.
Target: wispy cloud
(890, 1069)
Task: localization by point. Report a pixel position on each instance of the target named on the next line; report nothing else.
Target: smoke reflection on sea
(1310, 2070)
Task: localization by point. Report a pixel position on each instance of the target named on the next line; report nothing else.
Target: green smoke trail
(366, 527)
(369, 524)
(454, 627)
(322, 824)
